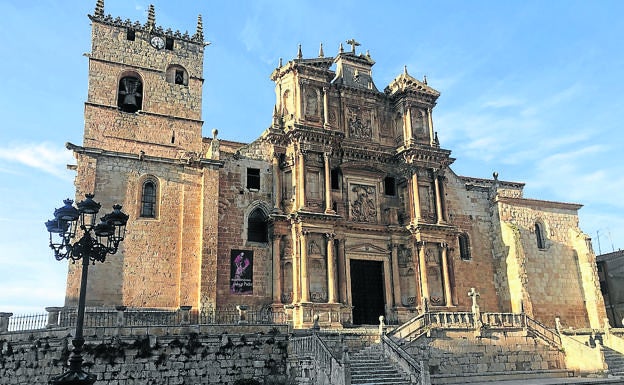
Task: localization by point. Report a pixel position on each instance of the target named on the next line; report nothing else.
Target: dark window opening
(335, 206)
(335, 179)
(253, 178)
(179, 77)
(390, 186)
(539, 235)
(257, 228)
(464, 247)
(130, 94)
(148, 200)
(130, 34)
(169, 44)
(173, 137)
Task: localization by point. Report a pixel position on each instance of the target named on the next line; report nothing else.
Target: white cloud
(44, 157)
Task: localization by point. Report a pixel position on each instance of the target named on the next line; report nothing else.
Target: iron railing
(137, 317)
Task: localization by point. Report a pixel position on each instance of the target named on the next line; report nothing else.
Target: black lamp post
(108, 234)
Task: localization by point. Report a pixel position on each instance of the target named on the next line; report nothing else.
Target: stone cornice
(539, 203)
(200, 163)
(481, 182)
(427, 155)
(143, 112)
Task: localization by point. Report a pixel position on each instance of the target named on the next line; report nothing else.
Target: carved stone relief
(363, 207)
(360, 125)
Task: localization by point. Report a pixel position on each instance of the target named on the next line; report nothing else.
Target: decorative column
(415, 197)
(424, 282)
(301, 191)
(277, 269)
(328, 202)
(296, 255)
(446, 275)
(305, 283)
(293, 183)
(407, 126)
(431, 133)
(277, 184)
(331, 269)
(438, 197)
(387, 283)
(325, 108)
(395, 275)
(342, 272)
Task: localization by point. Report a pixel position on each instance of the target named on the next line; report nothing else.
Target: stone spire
(151, 18)
(321, 53)
(341, 49)
(99, 8)
(199, 35)
(299, 54)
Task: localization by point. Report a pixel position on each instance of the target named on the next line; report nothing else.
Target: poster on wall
(241, 272)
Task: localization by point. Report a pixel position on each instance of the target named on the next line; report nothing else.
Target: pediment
(367, 248)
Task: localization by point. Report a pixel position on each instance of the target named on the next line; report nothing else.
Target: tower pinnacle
(199, 34)
(151, 18)
(99, 8)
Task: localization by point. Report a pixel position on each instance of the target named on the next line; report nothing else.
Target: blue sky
(530, 89)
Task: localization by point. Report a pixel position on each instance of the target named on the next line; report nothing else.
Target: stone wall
(163, 356)
(460, 353)
(236, 202)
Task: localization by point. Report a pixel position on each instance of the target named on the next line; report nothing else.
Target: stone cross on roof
(353, 44)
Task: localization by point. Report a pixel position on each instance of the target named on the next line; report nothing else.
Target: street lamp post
(96, 242)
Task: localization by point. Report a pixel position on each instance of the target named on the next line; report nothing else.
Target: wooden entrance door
(367, 291)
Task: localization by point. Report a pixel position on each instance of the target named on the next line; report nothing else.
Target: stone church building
(345, 207)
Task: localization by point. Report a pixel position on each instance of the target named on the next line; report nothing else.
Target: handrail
(314, 347)
(402, 358)
(542, 331)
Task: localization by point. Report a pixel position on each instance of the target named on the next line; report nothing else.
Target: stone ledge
(499, 376)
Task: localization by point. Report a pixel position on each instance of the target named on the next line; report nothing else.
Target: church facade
(345, 208)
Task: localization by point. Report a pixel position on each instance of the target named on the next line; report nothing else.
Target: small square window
(169, 44)
(130, 34)
(253, 178)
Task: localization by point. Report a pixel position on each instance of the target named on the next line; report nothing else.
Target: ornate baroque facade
(345, 207)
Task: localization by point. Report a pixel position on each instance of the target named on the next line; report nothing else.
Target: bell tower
(143, 147)
(145, 86)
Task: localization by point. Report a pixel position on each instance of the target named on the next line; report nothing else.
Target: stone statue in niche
(285, 101)
(363, 209)
(311, 102)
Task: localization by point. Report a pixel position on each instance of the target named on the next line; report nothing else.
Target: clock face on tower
(157, 42)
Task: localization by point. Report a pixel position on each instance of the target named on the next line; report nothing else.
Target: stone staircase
(614, 360)
(370, 367)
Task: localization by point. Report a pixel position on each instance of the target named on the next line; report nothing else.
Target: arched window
(464, 247)
(130, 93)
(176, 74)
(539, 235)
(257, 227)
(148, 199)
